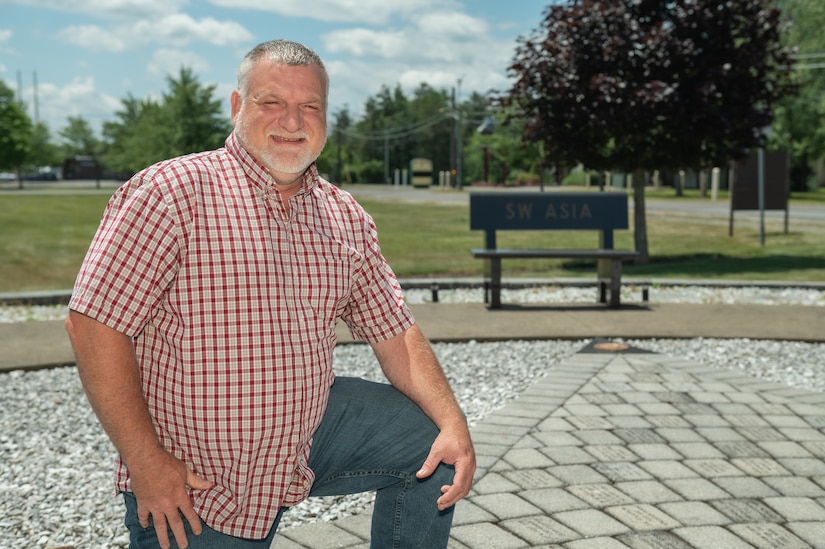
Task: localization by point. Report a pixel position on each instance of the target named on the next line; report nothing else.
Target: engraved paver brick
(694, 513)
(487, 536)
(711, 536)
(741, 449)
(745, 420)
(603, 398)
(591, 522)
(768, 536)
(746, 487)
(643, 517)
(652, 540)
(797, 509)
(713, 468)
(649, 491)
(529, 479)
(697, 489)
(760, 467)
(611, 452)
(639, 436)
(540, 530)
(760, 434)
(554, 500)
(746, 510)
(600, 495)
(590, 422)
(676, 422)
(619, 471)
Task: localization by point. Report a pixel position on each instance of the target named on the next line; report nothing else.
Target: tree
(194, 114)
(43, 152)
(798, 125)
(15, 130)
(78, 138)
(640, 85)
(187, 119)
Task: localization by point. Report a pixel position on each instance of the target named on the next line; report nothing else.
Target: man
(203, 322)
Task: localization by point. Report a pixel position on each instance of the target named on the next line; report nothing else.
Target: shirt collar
(259, 175)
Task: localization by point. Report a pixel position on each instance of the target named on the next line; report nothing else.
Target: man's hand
(159, 486)
(453, 448)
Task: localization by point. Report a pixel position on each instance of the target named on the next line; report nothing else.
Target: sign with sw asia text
(560, 211)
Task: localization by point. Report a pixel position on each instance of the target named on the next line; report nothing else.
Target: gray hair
(282, 51)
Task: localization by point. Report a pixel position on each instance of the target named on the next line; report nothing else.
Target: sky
(80, 58)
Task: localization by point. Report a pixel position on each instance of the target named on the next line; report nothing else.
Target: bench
(507, 211)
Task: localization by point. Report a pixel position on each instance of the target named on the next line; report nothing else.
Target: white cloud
(111, 9)
(94, 38)
(5, 35)
(181, 29)
(362, 11)
(169, 61)
(77, 98)
(176, 29)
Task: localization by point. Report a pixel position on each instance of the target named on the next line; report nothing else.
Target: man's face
(282, 121)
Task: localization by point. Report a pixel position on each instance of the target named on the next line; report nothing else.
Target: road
(718, 210)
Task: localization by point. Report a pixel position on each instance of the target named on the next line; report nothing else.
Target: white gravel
(55, 470)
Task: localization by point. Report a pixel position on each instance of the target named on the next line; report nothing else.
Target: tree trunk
(640, 217)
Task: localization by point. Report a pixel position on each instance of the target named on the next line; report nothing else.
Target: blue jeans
(372, 437)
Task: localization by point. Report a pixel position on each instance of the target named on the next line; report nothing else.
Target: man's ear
(236, 102)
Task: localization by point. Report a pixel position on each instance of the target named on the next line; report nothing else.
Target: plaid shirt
(232, 304)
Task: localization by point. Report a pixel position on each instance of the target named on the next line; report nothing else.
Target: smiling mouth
(287, 139)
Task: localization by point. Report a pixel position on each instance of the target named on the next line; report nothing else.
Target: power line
(396, 133)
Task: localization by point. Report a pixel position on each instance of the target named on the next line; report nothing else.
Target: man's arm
(110, 375)
(411, 366)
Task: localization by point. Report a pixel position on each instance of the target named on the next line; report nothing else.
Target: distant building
(82, 167)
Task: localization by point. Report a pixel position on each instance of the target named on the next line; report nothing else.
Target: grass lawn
(45, 238)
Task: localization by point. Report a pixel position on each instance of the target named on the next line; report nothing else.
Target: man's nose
(291, 119)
